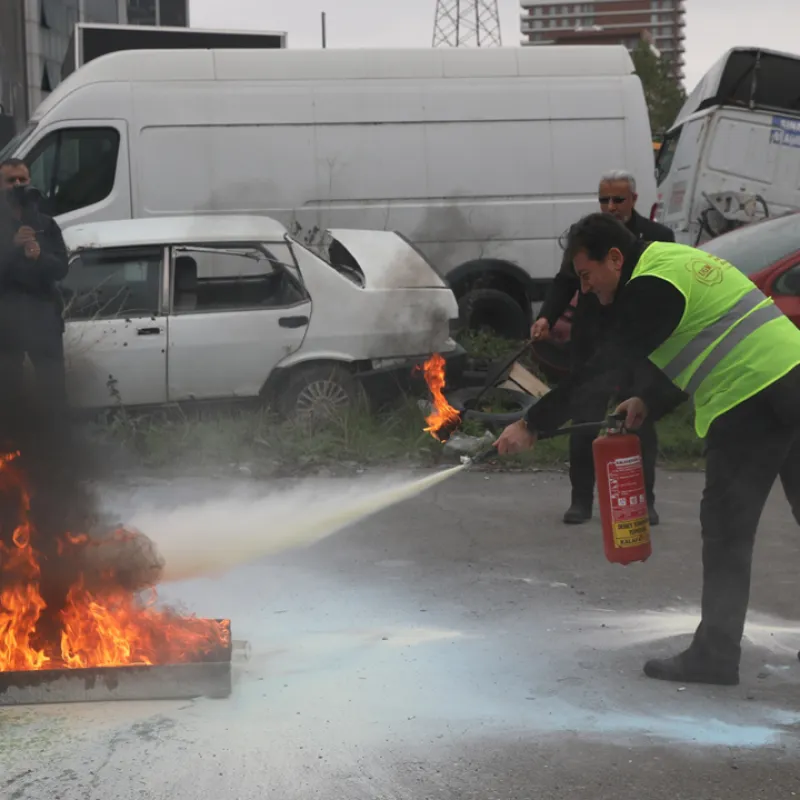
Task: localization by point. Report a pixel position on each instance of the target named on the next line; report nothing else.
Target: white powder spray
(215, 536)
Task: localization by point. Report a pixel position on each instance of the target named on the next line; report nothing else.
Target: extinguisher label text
(629, 518)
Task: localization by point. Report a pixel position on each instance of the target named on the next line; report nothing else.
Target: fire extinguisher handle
(616, 422)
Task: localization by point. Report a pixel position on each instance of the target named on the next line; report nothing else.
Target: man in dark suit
(34, 417)
(33, 259)
(617, 196)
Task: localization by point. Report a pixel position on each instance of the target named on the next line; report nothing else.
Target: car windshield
(13, 145)
(755, 247)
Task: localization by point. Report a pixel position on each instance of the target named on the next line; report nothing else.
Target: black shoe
(653, 514)
(578, 513)
(688, 667)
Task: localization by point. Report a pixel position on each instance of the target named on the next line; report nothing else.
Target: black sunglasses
(604, 201)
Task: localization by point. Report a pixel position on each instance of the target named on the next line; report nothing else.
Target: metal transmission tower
(466, 23)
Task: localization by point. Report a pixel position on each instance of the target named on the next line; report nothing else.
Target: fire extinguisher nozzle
(480, 457)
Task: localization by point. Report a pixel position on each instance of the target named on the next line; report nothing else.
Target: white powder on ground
(625, 629)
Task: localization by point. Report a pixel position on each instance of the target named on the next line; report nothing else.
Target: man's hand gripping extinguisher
(621, 494)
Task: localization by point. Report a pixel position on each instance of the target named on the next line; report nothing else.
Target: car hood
(387, 260)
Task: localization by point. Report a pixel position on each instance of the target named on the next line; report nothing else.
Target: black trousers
(581, 458)
(747, 449)
(589, 326)
(44, 409)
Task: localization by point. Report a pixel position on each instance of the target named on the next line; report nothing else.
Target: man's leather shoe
(689, 667)
(653, 515)
(577, 514)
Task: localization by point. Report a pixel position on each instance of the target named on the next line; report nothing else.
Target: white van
(480, 157)
(732, 155)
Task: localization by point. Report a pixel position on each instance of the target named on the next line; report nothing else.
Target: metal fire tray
(207, 676)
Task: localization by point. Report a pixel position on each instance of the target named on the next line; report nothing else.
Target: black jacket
(566, 283)
(642, 317)
(30, 307)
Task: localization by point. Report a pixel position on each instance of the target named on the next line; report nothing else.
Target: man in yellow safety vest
(726, 346)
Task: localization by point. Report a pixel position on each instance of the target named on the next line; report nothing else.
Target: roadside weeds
(254, 441)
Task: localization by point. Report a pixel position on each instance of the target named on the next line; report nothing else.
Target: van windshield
(754, 247)
(16, 142)
(666, 154)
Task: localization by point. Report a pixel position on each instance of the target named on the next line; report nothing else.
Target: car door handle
(293, 322)
(148, 331)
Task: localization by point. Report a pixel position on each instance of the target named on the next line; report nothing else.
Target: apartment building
(35, 37)
(660, 22)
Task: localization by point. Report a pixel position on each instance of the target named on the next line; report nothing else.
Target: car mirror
(789, 282)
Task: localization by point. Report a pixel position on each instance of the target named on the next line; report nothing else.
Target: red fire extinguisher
(622, 497)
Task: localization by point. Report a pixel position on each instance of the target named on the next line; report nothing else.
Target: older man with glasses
(617, 197)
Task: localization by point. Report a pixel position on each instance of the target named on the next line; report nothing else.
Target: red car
(768, 252)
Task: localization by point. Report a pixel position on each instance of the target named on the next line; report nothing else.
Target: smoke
(213, 537)
(47, 482)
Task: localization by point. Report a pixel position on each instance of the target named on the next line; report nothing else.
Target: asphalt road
(462, 645)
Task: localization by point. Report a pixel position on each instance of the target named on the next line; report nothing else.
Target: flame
(443, 414)
(116, 629)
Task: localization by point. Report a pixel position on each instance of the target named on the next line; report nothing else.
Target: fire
(443, 415)
(112, 629)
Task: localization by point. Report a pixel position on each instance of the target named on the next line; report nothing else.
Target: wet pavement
(464, 644)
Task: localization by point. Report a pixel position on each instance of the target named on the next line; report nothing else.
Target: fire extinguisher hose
(613, 422)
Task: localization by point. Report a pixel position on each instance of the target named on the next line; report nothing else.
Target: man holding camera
(33, 258)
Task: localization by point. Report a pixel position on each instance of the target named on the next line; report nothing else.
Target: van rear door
(82, 169)
(677, 168)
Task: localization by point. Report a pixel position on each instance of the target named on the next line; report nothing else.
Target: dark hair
(13, 162)
(596, 234)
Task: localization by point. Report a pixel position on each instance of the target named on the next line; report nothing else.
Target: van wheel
(319, 393)
(494, 310)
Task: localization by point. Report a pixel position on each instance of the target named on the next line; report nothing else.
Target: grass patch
(484, 345)
(225, 437)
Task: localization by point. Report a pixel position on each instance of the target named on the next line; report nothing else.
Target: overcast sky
(409, 23)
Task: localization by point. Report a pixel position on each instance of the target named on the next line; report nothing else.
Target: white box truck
(732, 156)
(480, 157)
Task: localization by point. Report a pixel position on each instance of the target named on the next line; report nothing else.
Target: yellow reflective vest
(732, 340)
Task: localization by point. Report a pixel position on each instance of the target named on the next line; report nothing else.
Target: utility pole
(467, 23)
(324, 31)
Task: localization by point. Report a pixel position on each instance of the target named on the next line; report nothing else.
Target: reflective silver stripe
(695, 347)
(749, 324)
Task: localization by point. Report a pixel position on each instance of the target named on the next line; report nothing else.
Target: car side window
(113, 284)
(74, 167)
(245, 277)
(789, 282)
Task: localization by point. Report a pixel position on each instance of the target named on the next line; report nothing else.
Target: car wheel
(495, 310)
(319, 392)
(515, 405)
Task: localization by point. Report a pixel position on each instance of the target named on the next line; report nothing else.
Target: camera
(26, 196)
